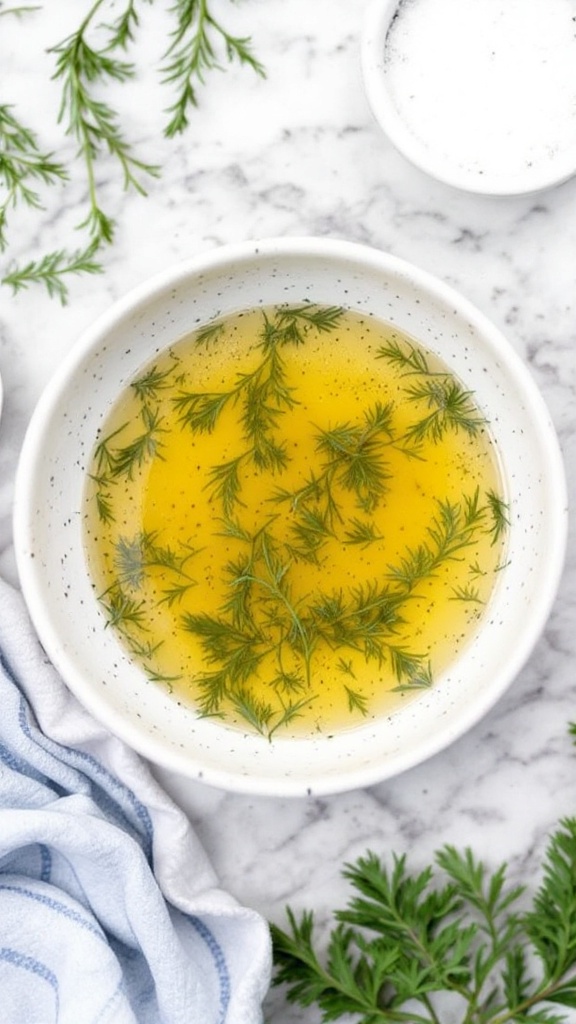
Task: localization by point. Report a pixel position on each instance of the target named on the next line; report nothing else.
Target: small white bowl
(480, 95)
(51, 478)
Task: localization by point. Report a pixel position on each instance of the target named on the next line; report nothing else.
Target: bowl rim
(88, 341)
(536, 178)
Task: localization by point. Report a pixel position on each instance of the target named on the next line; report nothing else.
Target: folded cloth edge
(182, 869)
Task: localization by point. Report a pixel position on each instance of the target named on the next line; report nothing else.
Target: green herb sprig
(22, 167)
(24, 170)
(193, 51)
(91, 121)
(262, 394)
(407, 942)
(451, 406)
(87, 61)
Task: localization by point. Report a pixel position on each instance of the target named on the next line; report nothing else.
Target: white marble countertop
(299, 153)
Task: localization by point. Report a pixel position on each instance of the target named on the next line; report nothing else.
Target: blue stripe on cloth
(72, 755)
(219, 963)
(45, 862)
(29, 963)
(23, 767)
(57, 906)
(73, 758)
(112, 792)
(32, 860)
(65, 770)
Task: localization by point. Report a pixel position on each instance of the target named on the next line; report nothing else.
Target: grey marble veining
(299, 153)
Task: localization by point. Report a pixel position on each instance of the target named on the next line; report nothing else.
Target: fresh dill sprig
(210, 333)
(289, 712)
(22, 167)
(289, 682)
(122, 611)
(201, 410)
(122, 30)
(126, 459)
(135, 557)
(412, 671)
(257, 712)
(452, 408)
(87, 61)
(260, 621)
(52, 270)
(311, 530)
(467, 594)
(153, 381)
(262, 395)
(237, 652)
(499, 513)
(154, 676)
(366, 620)
(262, 392)
(345, 667)
(197, 43)
(225, 484)
(451, 938)
(104, 501)
(176, 592)
(452, 530)
(142, 648)
(356, 700)
(140, 561)
(322, 318)
(354, 462)
(104, 452)
(407, 357)
(130, 559)
(267, 573)
(361, 532)
(354, 455)
(316, 492)
(93, 123)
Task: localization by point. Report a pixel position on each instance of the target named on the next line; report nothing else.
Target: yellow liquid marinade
(290, 601)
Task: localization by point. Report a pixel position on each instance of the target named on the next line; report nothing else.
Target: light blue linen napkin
(110, 912)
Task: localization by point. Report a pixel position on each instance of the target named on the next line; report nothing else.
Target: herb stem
(81, 68)
(541, 995)
(92, 122)
(191, 53)
(271, 585)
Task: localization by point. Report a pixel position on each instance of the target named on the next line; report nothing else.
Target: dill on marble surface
(91, 58)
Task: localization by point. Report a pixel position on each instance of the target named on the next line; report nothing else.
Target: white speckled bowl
(48, 527)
